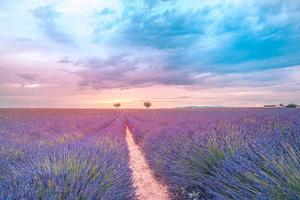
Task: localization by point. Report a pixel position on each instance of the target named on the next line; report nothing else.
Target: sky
(93, 53)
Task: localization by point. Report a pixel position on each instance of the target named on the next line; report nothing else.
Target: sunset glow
(91, 54)
(150, 99)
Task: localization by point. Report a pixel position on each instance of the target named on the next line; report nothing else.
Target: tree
(117, 105)
(291, 105)
(147, 104)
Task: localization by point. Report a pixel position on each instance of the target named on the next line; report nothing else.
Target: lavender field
(215, 153)
(149, 100)
(63, 154)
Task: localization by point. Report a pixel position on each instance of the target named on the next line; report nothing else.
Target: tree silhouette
(291, 105)
(147, 104)
(117, 105)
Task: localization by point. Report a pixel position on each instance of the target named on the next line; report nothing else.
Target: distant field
(209, 153)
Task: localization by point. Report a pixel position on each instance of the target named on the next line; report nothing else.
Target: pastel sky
(91, 53)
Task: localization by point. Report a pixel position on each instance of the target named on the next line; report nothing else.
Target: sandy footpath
(147, 187)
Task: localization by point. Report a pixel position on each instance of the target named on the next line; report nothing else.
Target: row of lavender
(222, 153)
(63, 154)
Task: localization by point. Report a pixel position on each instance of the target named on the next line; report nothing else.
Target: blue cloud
(105, 11)
(46, 17)
(219, 37)
(164, 30)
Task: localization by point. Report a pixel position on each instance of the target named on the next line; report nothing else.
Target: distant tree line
(290, 105)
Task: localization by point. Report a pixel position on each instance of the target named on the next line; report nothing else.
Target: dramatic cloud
(126, 71)
(235, 51)
(208, 36)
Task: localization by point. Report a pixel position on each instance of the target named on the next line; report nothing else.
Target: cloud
(126, 71)
(174, 98)
(195, 45)
(29, 80)
(211, 36)
(149, 68)
(27, 76)
(275, 80)
(65, 60)
(23, 39)
(105, 11)
(46, 18)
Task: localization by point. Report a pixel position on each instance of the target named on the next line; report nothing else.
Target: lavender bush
(63, 154)
(222, 153)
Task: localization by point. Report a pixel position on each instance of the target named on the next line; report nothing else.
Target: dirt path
(147, 187)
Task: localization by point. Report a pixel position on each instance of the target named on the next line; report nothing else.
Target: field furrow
(148, 188)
